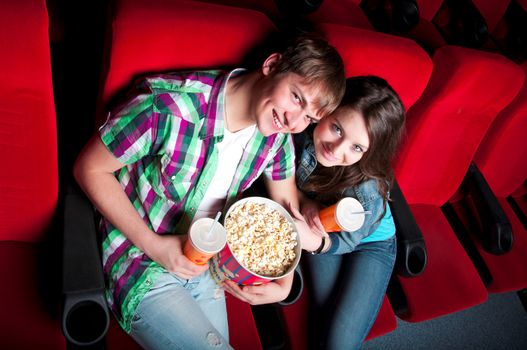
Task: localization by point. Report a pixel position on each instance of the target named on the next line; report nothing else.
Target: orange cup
(345, 215)
(200, 245)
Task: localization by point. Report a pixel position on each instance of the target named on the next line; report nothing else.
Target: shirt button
(173, 177)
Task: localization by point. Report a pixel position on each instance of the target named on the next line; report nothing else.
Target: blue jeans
(182, 314)
(347, 292)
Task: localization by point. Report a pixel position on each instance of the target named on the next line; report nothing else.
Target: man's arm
(94, 171)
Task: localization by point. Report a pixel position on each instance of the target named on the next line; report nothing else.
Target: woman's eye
(337, 129)
(358, 148)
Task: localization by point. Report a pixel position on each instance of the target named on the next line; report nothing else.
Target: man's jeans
(182, 314)
(347, 292)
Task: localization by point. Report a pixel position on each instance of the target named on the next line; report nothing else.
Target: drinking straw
(367, 212)
(208, 236)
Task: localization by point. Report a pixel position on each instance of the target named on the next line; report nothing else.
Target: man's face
(285, 103)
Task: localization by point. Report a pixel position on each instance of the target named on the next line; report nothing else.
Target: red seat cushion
(26, 322)
(243, 333)
(450, 282)
(296, 318)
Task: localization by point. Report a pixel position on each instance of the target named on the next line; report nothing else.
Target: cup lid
(199, 234)
(350, 214)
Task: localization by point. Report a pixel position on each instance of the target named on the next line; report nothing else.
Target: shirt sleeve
(129, 129)
(345, 242)
(282, 165)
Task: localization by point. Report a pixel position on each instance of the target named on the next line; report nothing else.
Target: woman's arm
(94, 171)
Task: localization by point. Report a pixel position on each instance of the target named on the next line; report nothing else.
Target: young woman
(348, 154)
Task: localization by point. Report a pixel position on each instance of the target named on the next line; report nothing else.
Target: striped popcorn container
(225, 266)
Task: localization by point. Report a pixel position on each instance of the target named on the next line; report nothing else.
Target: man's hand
(271, 292)
(310, 239)
(167, 250)
(310, 211)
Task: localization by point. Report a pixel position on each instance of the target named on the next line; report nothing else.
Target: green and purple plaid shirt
(166, 135)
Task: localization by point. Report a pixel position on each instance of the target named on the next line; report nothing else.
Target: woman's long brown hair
(384, 115)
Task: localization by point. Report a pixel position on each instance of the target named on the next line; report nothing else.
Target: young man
(155, 167)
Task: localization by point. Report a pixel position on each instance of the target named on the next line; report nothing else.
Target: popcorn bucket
(225, 266)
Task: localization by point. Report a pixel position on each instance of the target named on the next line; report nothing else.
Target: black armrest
(405, 14)
(85, 316)
(496, 229)
(411, 249)
(466, 25)
(296, 288)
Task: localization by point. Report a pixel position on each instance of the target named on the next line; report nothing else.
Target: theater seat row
(453, 100)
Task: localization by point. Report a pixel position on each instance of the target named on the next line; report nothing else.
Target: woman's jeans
(182, 314)
(347, 292)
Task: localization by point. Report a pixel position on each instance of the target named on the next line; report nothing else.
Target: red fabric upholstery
(394, 58)
(502, 153)
(243, 332)
(29, 176)
(444, 128)
(163, 35)
(26, 323)
(450, 282)
(501, 159)
(296, 318)
(492, 11)
(177, 35)
(268, 7)
(428, 8)
(345, 12)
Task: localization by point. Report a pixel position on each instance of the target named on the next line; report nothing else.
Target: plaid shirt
(166, 135)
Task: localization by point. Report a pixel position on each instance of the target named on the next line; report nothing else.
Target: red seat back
(28, 136)
(502, 155)
(161, 35)
(444, 128)
(400, 61)
(150, 36)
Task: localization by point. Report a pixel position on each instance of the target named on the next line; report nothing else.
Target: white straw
(208, 235)
(367, 212)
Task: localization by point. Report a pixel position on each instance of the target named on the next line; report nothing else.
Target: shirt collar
(214, 125)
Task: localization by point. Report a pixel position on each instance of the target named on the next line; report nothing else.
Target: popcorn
(261, 239)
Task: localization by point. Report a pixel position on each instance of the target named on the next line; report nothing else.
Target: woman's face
(341, 138)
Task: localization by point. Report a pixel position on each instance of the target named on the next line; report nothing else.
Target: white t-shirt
(230, 151)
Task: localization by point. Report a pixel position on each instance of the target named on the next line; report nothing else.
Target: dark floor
(499, 323)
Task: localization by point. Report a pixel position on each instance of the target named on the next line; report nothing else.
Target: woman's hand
(310, 239)
(310, 211)
(271, 292)
(167, 250)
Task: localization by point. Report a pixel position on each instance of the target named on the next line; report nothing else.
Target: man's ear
(270, 63)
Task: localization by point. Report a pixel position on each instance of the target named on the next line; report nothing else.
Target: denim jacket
(366, 193)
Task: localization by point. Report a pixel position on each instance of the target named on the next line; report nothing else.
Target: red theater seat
(501, 159)
(345, 12)
(467, 90)
(28, 180)
(164, 35)
(395, 59)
